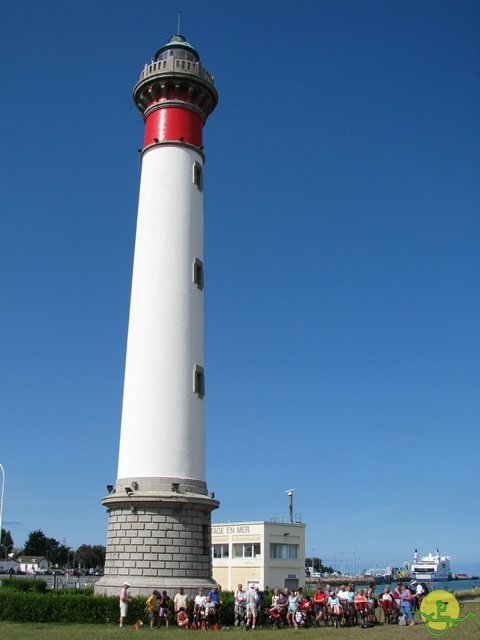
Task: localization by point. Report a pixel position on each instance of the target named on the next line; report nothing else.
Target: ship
(431, 568)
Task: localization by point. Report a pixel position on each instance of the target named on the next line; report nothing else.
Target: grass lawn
(468, 630)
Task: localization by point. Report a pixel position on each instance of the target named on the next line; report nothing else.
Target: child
(182, 619)
(298, 618)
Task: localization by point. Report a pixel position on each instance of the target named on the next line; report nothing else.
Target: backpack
(426, 590)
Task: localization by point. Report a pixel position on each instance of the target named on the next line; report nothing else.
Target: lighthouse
(159, 510)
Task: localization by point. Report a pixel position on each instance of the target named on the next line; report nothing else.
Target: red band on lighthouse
(173, 123)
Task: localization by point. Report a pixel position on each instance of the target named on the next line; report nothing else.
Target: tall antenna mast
(178, 24)
(290, 503)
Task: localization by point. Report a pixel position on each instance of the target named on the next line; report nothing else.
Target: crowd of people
(205, 608)
(344, 605)
(247, 606)
(339, 606)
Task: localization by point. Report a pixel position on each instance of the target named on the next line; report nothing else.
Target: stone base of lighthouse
(158, 540)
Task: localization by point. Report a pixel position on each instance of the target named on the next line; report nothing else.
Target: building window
(220, 550)
(198, 176)
(199, 381)
(283, 551)
(198, 273)
(246, 550)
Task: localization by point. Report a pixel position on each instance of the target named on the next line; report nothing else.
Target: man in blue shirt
(215, 598)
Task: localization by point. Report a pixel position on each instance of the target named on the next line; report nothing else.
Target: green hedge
(34, 604)
(25, 586)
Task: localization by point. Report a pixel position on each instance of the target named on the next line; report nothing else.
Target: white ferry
(431, 568)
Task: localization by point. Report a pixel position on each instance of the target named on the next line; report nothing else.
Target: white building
(6, 565)
(267, 554)
(31, 564)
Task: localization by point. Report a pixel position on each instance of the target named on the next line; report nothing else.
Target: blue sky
(341, 253)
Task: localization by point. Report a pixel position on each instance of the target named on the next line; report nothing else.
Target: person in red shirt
(319, 600)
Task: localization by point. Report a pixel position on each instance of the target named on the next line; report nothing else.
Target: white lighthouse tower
(159, 508)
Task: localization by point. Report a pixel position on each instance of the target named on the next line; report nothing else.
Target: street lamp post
(313, 561)
(1, 499)
(10, 546)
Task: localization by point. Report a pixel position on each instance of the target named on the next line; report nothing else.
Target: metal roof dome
(177, 42)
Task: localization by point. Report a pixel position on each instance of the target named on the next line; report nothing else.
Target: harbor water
(448, 585)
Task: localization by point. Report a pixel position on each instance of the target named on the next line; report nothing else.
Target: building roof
(31, 559)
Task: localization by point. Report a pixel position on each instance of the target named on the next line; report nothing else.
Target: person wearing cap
(319, 601)
(419, 593)
(124, 600)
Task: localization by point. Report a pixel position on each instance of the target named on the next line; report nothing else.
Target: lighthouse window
(198, 273)
(198, 176)
(199, 381)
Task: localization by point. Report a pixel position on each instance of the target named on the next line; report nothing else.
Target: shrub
(26, 586)
(34, 604)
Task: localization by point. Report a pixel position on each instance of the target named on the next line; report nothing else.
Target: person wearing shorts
(251, 603)
(124, 600)
(319, 599)
(152, 608)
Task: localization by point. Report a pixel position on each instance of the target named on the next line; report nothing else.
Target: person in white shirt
(343, 596)
(199, 607)
(124, 600)
(239, 605)
(180, 600)
(419, 593)
(251, 602)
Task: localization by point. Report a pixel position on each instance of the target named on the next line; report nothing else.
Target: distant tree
(100, 551)
(6, 542)
(58, 554)
(85, 556)
(317, 565)
(36, 544)
(91, 557)
(6, 538)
